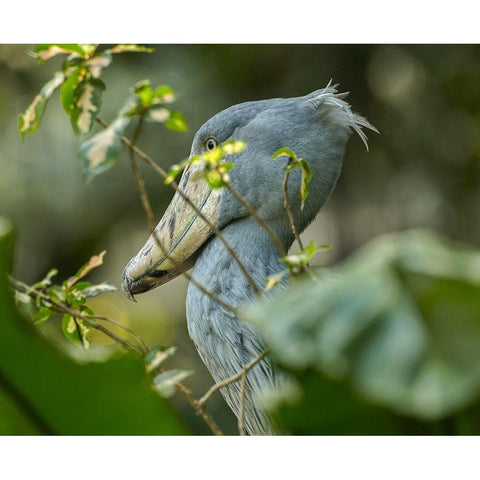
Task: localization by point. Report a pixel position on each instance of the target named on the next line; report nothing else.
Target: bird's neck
(217, 270)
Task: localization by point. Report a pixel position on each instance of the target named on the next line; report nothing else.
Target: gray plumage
(316, 127)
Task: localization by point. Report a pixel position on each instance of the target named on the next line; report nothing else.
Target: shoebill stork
(316, 127)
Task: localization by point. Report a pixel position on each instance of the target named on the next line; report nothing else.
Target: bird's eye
(210, 144)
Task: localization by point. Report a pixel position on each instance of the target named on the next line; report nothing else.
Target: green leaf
(175, 170)
(144, 91)
(306, 177)
(94, 290)
(399, 324)
(100, 152)
(45, 282)
(121, 48)
(98, 63)
(21, 297)
(56, 293)
(158, 114)
(284, 152)
(176, 122)
(274, 280)
(82, 285)
(45, 391)
(29, 121)
(165, 382)
(157, 356)
(164, 94)
(81, 99)
(42, 315)
(75, 330)
(214, 179)
(232, 147)
(94, 262)
(45, 51)
(302, 258)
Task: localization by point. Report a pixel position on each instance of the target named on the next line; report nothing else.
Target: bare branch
(124, 327)
(255, 215)
(241, 414)
(234, 378)
(139, 179)
(199, 409)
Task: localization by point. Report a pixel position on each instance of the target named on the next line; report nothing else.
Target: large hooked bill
(174, 244)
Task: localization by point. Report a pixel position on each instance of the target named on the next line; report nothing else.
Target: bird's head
(316, 127)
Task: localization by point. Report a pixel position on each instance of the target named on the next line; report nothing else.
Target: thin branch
(241, 414)
(199, 409)
(289, 211)
(255, 215)
(124, 327)
(162, 173)
(228, 381)
(200, 286)
(124, 343)
(139, 179)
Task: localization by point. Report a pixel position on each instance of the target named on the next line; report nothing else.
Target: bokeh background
(422, 170)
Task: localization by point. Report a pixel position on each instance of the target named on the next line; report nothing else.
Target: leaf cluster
(296, 264)
(79, 79)
(48, 298)
(215, 168)
(81, 91)
(395, 333)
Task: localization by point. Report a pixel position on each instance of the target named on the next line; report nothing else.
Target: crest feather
(328, 101)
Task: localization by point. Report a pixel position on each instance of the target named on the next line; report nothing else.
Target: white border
(224, 21)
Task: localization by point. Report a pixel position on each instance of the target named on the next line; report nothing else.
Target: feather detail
(329, 102)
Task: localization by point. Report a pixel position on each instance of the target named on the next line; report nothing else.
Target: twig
(241, 422)
(228, 381)
(255, 215)
(139, 180)
(200, 286)
(125, 343)
(124, 327)
(199, 409)
(162, 173)
(289, 211)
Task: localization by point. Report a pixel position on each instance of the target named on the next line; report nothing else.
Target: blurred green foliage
(394, 332)
(43, 390)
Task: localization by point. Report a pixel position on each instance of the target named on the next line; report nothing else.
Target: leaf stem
(139, 179)
(289, 211)
(208, 419)
(241, 413)
(233, 378)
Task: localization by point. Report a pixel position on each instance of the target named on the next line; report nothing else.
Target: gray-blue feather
(317, 127)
